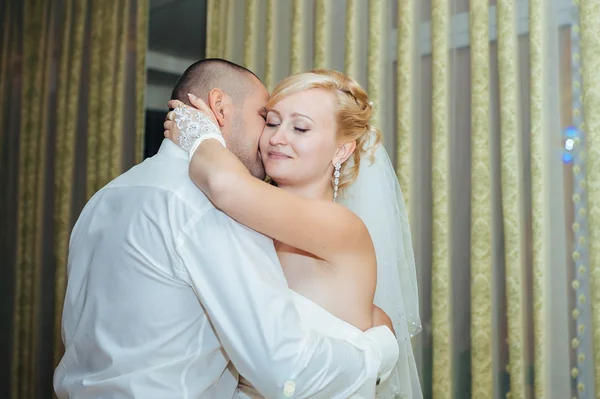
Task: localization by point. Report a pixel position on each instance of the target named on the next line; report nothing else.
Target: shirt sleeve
(238, 279)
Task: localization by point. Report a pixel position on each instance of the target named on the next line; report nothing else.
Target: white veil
(377, 199)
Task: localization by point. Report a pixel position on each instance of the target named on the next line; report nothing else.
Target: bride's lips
(277, 155)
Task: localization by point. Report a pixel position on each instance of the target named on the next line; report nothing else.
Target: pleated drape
(75, 72)
(69, 81)
(590, 47)
(322, 34)
(512, 193)
(217, 37)
(271, 44)
(406, 51)
(420, 94)
(441, 267)
(481, 204)
(376, 55)
(537, 44)
(32, 137)
(250, 34)
(109, 23)
(8, 44)
(297, 42)
(351, 52)
(213, 32)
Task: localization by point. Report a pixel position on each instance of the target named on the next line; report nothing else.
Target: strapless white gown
(319, 319)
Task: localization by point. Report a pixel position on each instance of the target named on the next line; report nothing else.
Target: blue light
(569, 144)
(567, 157)
(571, 132)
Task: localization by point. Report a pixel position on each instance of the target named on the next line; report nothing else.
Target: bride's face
(299, 140)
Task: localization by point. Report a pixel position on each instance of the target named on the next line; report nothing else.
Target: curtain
(72, 81)
(490, 110)
(590, 61)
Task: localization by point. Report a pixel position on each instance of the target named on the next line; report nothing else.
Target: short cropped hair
(203, 76)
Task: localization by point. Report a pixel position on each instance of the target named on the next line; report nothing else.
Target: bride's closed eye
(299, 130)
(272, 121)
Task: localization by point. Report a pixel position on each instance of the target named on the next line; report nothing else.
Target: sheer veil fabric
(376, 198)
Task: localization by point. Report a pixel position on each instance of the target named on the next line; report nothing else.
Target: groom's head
(237, 97)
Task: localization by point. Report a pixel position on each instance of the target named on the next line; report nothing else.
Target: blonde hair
(353, 112)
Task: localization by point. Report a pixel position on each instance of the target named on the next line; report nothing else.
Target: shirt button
(289, 388)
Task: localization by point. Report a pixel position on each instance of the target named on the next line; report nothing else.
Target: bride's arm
(322, 228)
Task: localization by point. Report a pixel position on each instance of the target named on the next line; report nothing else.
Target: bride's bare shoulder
(362, 244)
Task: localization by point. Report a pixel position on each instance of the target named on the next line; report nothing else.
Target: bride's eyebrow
(302, 115)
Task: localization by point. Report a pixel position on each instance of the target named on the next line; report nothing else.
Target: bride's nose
(278, 137)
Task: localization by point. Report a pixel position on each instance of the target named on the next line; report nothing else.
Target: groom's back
(132, 325)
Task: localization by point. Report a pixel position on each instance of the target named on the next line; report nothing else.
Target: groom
(168, 297)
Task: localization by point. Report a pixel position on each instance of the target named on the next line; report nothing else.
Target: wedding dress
(376, 198)
(320, 320)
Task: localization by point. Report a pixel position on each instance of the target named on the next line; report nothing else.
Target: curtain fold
(376, 54)
(441, 266)
(68, 86)
(322, 36)
(32, 137)
(217, 23)
(250, 35)
(4, 64)
(271, 47)
(94, 105)
(481, 204)
(590, 48)
(106, 92)
(503, 268)
(537, 45)
(512, 193)
(70, 64)
(230, 26)
(138, 74)
(406, 37)
(351, 51)
(212, 28)
(297, 43)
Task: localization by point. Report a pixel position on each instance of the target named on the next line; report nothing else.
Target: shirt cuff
(386, 343)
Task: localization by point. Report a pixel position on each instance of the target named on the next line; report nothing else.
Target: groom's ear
(217, 101)
(343, 152)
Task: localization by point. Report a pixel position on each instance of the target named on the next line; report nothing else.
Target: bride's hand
(191, 125)
(172, 131)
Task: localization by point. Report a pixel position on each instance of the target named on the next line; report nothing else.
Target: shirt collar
(169, 148)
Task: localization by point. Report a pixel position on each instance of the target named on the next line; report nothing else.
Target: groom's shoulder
(164, 175)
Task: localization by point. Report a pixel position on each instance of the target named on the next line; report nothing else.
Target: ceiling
(178, 28)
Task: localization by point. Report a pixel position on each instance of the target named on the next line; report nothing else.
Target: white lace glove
(194, 128)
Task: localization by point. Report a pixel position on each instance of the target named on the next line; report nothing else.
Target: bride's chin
(274, 171)
(277, 178)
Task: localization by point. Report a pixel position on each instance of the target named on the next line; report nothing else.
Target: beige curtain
(441, 273)
(512, 172)
(590, 59)
(72, 78)
(474, 98)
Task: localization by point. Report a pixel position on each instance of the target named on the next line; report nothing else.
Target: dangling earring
(336, 180)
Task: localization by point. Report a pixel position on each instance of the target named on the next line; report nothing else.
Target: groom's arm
(237, 277)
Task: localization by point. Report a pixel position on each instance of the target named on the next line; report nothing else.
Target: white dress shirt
(164, 291)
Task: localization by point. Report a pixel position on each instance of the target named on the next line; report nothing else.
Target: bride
(335, 210)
